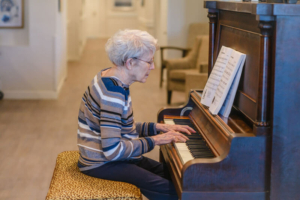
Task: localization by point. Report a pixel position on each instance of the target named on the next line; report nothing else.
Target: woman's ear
(128, 63)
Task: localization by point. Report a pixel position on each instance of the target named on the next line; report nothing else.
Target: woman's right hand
(168, 137)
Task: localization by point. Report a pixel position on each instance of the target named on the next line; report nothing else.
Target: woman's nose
(152, 66)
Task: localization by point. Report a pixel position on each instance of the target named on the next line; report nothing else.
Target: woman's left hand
(179, 128)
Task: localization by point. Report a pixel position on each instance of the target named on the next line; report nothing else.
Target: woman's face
(142, 67)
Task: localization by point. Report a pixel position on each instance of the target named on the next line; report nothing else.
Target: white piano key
(169, 121)
(181, 148)
(183, 152)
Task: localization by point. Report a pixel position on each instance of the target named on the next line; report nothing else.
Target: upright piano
(254, 153)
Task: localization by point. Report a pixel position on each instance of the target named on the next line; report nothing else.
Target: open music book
(221, 86)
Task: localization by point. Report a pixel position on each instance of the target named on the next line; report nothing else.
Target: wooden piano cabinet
(269, 90)
(240, 168)
(241, 175)
(257, 148)
(212, 15)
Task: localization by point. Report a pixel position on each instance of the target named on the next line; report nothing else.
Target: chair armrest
(203, 67)
(184, 51)
(195, 81)
(174, 48)
(178, 64)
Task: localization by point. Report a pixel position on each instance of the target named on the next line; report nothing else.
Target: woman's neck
(119, 72)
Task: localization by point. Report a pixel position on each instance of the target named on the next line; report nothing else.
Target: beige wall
(99, 18)
(167, 20)
(74, 11)
(181, 13)
(33, 59)
(32, 62)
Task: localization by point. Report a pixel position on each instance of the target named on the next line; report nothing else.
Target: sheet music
(227, 105)
(226, 81)
(215, 76)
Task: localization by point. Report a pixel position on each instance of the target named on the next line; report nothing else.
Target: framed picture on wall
(123, 5)
(11, 13)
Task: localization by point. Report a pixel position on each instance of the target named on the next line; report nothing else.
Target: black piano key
(191, 133)
(199, 142)
(182, 121)
(196, 146)
(202, 153)
(205, 156)
(194, 136)
(200, 150)
(196, 143)
(195, 140)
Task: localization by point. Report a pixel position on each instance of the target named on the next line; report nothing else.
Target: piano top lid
(255, 8)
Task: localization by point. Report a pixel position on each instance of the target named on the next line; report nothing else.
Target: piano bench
(69, 183)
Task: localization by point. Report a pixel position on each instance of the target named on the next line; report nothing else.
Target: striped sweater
(106, 128)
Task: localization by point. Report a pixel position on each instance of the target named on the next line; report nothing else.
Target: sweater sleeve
(114, 145)
(146, 129)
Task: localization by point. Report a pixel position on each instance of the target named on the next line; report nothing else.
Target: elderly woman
(110, 142)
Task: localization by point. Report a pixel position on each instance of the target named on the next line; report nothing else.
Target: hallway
(34, 132)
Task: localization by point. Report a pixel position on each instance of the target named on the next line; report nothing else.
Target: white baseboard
(13, 94)
(34, 95)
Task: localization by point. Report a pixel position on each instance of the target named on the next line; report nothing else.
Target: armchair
(193, 67)
(195, 29)
(163, 61)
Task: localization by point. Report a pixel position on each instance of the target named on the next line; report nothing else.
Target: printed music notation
(216, 75)
(221, 86)
(228, 102)
(229, 81)
(224, 81)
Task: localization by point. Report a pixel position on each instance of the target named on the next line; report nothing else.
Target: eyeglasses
(149, 62)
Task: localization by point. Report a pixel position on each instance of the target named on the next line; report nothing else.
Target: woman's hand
(179, 128)
(168, 137)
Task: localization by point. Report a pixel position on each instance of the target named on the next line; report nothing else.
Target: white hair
(129, 44)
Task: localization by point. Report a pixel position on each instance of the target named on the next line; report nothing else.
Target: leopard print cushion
(69, 183)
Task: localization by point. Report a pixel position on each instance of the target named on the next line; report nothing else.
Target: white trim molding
(34, 95)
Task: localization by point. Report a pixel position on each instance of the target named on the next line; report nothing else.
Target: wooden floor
(33, 132)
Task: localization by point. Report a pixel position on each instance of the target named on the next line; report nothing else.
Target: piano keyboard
(195, 147)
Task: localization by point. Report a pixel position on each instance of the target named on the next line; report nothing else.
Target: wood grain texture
(240, 168)
(285, 170)
(264, 111)
(265, 107)
(213, 16)
(278, 88)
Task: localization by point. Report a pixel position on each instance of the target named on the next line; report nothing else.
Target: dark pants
(150, 176)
